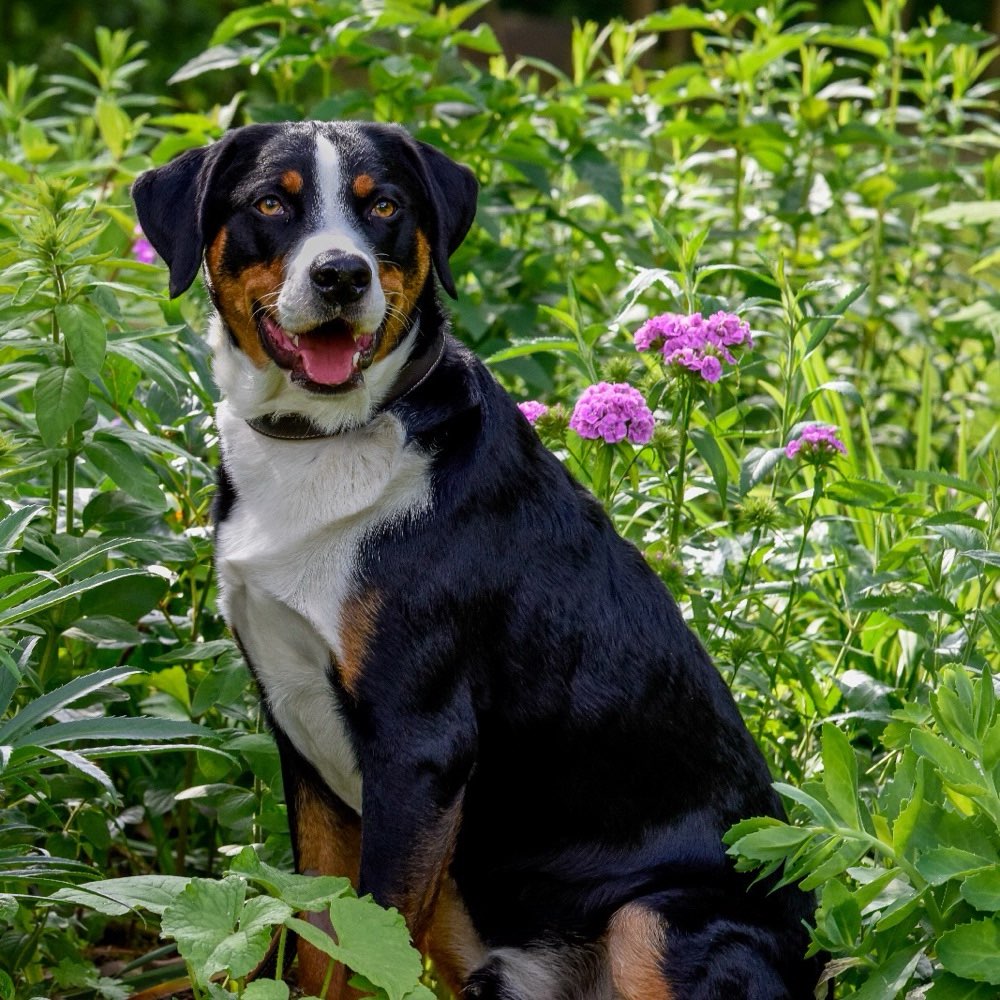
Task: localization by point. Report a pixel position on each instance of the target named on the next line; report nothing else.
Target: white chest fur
(287, 559)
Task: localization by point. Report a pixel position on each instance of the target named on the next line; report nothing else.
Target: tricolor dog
(490, 712)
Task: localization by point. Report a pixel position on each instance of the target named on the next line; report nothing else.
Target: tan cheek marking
(637, 939)
(402, 288)
(329, 843)
(359, 616)
(291, 181)
(363, 185)
(236, 294)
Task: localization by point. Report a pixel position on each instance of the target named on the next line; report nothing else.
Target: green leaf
(982, 889)
(706, 446)
(60, 594)
(757, 464)
(250, 17)
(266, 989)
(201, 917)
(953, 766)
(972, 950)
(126, 469)
(86, 335)
(12, 526)
(113, 124)
(889, 977)
(117, 896)
(949, 987)
(840, 775)
(941, 864)
(301, 892)
(112, 727)
(974, 213)
(373, 942)
(60, 395)
(554, 345)
(47, 704)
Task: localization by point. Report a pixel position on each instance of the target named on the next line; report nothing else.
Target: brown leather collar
(296, 427)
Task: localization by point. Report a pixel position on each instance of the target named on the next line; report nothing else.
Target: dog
(489, 711)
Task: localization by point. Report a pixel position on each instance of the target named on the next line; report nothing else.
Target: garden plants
(751, 299)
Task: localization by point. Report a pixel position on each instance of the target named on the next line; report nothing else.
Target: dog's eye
(270, 206)
(384, 208)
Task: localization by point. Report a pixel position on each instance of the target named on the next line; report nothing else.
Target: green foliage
(837, 189)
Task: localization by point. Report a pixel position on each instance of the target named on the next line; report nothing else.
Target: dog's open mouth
(329, 358)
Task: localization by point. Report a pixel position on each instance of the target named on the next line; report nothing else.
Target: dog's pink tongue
(327, 358)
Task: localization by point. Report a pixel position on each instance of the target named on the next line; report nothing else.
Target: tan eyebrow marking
(291, 181)
(363, 185)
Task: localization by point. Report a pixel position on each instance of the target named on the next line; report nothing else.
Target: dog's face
(319, 238)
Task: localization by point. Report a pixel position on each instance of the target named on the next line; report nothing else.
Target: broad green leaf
(941, 864)
(949, 987)
(117, 896)
(771, 843)
(906, 821)
(535, 346)
(60, 395)
(86, 335)
(301, 892)
(982, 889)
(266, 989)
(114, 125)
(201, 917)
(953, 766)
(972, 950)
(126, 469)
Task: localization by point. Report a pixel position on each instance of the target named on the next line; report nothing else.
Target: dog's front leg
(414, 780)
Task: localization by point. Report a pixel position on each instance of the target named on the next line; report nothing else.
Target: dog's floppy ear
(169, 202)
(452, 190)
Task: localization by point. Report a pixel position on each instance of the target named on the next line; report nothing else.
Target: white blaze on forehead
(331, 202)
(298, 307)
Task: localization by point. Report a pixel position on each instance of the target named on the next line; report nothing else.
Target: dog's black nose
(340, 277)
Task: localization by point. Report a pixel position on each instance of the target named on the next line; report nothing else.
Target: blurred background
(35, 31)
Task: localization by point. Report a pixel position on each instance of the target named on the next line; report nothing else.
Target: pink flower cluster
(694, 342)
(816, 441)
(532, 410)
(142, 249)
(612, 412)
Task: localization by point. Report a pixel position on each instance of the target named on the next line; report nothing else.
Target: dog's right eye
(270, 206)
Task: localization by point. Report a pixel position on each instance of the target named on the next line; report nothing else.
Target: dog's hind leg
(636, 943)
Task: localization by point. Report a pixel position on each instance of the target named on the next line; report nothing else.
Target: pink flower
(693, 342)
(142, 249)
(816, 442)
(612, 412)
(532, 410)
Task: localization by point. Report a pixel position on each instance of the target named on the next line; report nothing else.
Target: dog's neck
(298, 427)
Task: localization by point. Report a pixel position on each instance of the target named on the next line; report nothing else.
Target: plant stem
(675, 519)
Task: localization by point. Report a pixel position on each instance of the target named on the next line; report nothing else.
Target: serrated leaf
(301, 892)
(60, 395)
(982, 889)
(972, 950)
(86, 335)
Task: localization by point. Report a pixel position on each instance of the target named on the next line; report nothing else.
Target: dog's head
(320, 239)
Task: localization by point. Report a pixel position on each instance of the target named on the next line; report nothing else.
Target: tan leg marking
(329, 843)
(637, 939)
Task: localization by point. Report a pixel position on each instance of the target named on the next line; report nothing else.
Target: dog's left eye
(384, 208)
(270, 206)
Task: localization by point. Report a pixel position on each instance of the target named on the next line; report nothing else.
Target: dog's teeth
(356, 360)
(294, 338)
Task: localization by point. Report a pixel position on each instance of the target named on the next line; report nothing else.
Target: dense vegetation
(836, 190)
